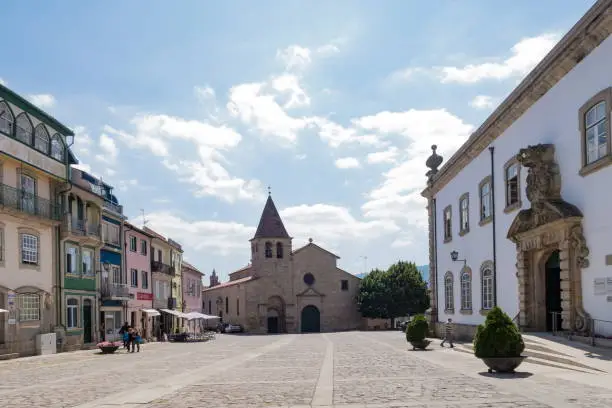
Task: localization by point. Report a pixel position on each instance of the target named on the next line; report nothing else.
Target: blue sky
(191, 111)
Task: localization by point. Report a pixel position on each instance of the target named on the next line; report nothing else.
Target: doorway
(553, 292)
(311, 320)
(87, 318)
(273, 322)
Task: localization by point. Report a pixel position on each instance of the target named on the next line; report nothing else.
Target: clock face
(309, 279)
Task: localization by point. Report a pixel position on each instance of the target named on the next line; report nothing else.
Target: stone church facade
(284, 290)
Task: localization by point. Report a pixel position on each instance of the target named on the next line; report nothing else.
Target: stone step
(548, 357)
(8, 356)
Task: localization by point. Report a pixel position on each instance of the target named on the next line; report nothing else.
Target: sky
(192, 111)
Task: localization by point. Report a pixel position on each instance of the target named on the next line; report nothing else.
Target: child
(126, 339)
(137, 340)
(448, 333)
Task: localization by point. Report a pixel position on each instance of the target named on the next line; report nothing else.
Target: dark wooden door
(273, 324)
(87, 324)
(311, 320)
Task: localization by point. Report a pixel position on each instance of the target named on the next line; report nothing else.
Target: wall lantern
(455, 258)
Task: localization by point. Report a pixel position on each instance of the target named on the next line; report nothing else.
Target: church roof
(270, 223)
(311, 245)
(229, 283)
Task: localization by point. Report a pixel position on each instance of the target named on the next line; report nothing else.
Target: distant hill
(424, 269)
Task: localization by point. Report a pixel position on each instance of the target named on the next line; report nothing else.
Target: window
(466, 291)
(485, 200)
(210, 306)
(29, 249)
(449, 297)
(143, 247)
(87, 259)
(134, 278)
(594, 119)
(226, 304)
(23, 129)
(72, 307)
(268, 250)
(116, 273)
(41, 139)
(57, 148)
(279, 250)
(512, 178)
(145, 280)
(29, 307)
(6, 119)
(110, 232)
(133, 243)
(344, 284)
(464, 214)
(448, 224)
(237, 307)
(159, 255)
(72, 259)
(27, 193)
(487, 282)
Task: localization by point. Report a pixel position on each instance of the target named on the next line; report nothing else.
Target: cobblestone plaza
(350, 369)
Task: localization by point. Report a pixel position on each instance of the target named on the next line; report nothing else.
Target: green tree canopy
(398, 291)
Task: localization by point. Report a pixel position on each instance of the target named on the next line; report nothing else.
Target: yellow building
(34, 167)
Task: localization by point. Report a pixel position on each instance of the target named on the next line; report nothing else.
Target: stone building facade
(518, 216)
(284, 290)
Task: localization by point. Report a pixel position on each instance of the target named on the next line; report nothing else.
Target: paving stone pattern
(372, 369)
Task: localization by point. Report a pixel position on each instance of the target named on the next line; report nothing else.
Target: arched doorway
(552, 270)
(273, 321)
(311, 320)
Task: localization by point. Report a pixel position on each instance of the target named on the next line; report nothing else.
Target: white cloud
(259, 109)
(525, 56)
(385, 156)
(43, 101)
(3, 82)
(109, 149)
(398, 196)
(482, 102)
(347, 163)
(407, 74)
(289, 84)
(297, 57)
(82, 141)
(222, 237)
(332, 224)
(205, 92)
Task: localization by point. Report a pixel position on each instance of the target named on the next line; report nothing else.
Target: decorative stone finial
(269, 191)
(310, 240)
(433, 162)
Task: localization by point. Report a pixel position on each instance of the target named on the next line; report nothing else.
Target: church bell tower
(271, 245)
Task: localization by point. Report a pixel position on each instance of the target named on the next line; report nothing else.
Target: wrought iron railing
(600, 330)
(157, 266)
(115, 290)
(113, 207)
(28, 203)
(94, 230)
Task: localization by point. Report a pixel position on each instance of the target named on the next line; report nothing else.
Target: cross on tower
(269, 190)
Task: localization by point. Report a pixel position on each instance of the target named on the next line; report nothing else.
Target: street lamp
(455, 258)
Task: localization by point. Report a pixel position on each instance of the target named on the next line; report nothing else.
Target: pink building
(138, 267)
(192, 288)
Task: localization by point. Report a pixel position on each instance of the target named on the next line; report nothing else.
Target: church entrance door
(273, 324)
(553, 292)
(311, 320)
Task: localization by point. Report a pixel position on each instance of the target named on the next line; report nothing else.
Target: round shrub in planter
(499, 343)
(109, 347)
(416, 332)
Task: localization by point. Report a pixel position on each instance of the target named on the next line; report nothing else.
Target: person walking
(137, 340)
(448, 333)
(124, 332)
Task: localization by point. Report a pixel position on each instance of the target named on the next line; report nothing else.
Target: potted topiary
(416, 332)
(498, 343)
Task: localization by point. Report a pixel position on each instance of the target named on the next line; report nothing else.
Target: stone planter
(420, 345)
(108, 349)
(503, 364)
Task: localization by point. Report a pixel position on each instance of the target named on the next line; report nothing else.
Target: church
(283, 290)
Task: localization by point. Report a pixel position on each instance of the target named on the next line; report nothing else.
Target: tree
(398, 291)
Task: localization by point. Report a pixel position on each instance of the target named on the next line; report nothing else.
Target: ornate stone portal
(551, 224)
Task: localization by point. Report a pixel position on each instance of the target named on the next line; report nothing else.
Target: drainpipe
(124, 263)
(494, 224)
(435, 257)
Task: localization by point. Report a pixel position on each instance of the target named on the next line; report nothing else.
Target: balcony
(18, 200)
(116, 208)
(161, 267)
(80, 228)
(115, 291)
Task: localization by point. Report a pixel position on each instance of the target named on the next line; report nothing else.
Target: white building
(525, 203)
